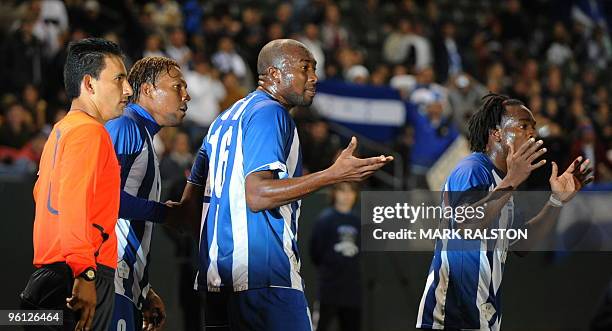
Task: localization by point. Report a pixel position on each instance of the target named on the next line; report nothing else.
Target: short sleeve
(125, 135)
(468, 184)
(266, 134)
(127, 142)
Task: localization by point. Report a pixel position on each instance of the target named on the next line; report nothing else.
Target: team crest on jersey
(123, 269)
(487, 310)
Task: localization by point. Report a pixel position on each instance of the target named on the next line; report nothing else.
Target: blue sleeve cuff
(138, 209)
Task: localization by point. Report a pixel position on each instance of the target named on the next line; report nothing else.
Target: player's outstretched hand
(83, 300)
(153, 312)
(577, 175)
(349, 168)
(520, 162)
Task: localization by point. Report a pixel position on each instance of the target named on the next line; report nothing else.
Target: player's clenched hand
(564, 187)
(349, 168)
(153, 312)
(520, 162)
(83, 300)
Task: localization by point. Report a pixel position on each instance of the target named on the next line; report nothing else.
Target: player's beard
(293, 98)
(298, 100)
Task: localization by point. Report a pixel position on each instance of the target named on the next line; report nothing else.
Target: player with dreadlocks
(462, 290)
(160, 99)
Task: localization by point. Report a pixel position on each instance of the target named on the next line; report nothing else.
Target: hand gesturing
(565, 186)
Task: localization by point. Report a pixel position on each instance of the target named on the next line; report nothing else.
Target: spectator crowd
(442, 56)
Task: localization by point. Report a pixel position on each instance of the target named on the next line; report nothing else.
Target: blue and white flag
(372, 111)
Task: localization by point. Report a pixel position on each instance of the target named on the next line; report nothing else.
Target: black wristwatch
(89, 274)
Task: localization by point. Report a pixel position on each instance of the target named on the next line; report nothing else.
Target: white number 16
(217, 175)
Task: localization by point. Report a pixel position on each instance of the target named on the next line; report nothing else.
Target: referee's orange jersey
(77, 196)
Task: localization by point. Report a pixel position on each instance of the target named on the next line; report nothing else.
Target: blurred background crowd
(440, 55)
(444, 55)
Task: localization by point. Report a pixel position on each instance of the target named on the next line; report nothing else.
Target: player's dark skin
(292, 83)
(287, 73)
(166, 101)
(513, 149)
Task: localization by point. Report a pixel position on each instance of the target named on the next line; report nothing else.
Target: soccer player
(463, 286)
(250, 168)
(77, 193)
(160, 99)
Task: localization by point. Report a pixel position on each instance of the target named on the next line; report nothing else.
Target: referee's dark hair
(147, 70)
(86, 57)
(488, 117)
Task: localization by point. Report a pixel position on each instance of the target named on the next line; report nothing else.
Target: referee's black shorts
(50, 285)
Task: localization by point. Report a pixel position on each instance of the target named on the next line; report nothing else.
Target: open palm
(565, 186)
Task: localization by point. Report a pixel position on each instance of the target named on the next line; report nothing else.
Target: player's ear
(496, 134)
(88, 84)
(274, 73)
(146, 89)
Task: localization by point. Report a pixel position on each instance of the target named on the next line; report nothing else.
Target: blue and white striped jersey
(241, 249)
(463, 285)
(132, 136)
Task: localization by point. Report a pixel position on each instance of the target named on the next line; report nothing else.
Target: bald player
(249, 170)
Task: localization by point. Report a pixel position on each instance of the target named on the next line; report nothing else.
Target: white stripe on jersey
(438, 313)
(272, 167)
(212, 275)
(229, 111)
(296, 280)
(286, 211)
(237, 201)
(137, 172)
(141, 261)
(496, 325)
(121, 230)
(505, 222)
(155, 193)
(309, 318)
(145, 245)
(241, 109)
(294, 154)
(484, 281)
(430, 279)
(297, 217)
(203, 218)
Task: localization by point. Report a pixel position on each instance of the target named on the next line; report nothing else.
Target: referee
(77, 193)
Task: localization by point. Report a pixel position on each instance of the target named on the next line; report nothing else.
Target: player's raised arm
(520, 164)
(265, 191)
(563, 188)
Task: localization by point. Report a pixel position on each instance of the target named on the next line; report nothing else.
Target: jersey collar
(144, 116)
(487, 159)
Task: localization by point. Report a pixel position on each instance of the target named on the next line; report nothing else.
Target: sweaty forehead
(298, 53)
(173, 73)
